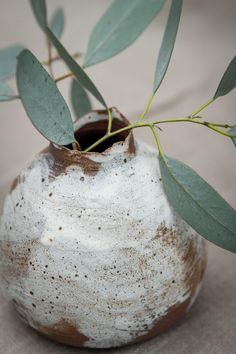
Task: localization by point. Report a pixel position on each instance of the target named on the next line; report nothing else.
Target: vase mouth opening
(93, 126)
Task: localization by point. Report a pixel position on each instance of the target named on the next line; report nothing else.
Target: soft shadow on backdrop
(205, 45)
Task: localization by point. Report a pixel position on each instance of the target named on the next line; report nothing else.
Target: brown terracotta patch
(64, 332)
(127, 134)
(194, 266)
(63, 158)
(193, 263)
(131, 144)
(14, 258)
(15, 183)
(167, 235)
(175, 313)
(89, 166)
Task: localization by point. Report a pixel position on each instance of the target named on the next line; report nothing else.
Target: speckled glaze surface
(91, 253)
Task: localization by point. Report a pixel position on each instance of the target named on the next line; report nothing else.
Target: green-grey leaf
(80, 100)
(233, 131)
(119, 27)
(6, 93)
(228, 81)
(40, 12)
(168, 43)
(8, 61)
(58, 22)
(199, 204)
(43, 101)
(80, 74)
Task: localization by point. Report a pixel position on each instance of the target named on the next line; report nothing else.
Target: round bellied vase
(91, 252)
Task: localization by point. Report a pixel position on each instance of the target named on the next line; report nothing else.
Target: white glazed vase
(91, 252)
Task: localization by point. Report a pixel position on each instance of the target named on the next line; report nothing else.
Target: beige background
(205, 45)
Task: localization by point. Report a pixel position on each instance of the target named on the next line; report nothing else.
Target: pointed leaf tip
(43, 101)
(233, 131)
(8, 61)
(168, 43)
(198, 203)
(57, 23)
(40, 12)
(228, 81)
(119, 27)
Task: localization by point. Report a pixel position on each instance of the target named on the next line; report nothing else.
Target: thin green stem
(50, 57)
(209, 125)
(226, 126)
(60, 78)
(156, 136)
(220, 131)
(146, 108)
(109, 121)
(76, 145)
(65, 76)
(138, 124)
(10, 97)
(207, 103)
(107, 136)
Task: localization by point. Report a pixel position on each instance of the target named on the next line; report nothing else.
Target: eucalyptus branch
(63, 77)
(194, 120)
(151, 124)
(213, 126)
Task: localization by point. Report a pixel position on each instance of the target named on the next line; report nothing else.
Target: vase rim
(97, 120)
(121, 148)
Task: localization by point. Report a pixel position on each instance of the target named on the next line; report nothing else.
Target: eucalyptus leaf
(198, 203)
(58, 22)
(119, 27)
(6, 93)
(228, 81)
(168, 43)
(80, 100)
(233, 131)
(43, 101)
(40, 12)
(76, 69)
(8, 61)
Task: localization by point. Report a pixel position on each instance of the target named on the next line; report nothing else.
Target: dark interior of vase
(91, 132)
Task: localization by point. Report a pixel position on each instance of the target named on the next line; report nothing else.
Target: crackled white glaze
(105, 254)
